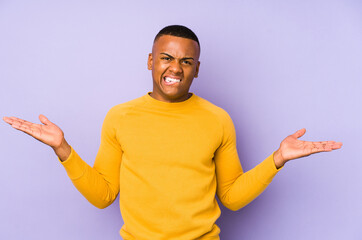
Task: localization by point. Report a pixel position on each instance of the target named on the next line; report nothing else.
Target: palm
(48, 132)
(291, 147)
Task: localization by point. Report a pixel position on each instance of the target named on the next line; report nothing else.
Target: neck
(165, 99)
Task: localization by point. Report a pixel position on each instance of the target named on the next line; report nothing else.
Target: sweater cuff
(268, 169)
(73, 165)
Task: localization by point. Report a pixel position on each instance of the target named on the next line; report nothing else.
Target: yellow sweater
(168, 160)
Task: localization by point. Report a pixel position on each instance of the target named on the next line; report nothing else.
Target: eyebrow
(173, 57)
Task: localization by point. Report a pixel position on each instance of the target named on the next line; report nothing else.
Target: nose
(175, 67)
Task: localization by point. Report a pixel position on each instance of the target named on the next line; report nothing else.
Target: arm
(236, 188)
(100, 184)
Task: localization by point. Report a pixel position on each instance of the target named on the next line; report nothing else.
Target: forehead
(176, 46)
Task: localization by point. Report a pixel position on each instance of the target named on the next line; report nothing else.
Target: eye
(187, 62)
(166, 58)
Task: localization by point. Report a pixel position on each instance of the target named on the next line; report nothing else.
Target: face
(174, 62)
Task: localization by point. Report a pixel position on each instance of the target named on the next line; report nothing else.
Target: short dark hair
(177, 31)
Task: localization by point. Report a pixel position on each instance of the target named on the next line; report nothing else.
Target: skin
(173, 57)
(178, 58)
(292, 148)
(47, 133)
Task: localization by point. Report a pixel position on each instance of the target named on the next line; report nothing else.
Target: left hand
(292, 148)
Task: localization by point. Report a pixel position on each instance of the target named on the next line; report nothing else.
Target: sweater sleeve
(98, 184)
(235, 188)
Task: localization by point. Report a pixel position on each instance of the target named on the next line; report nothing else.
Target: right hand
(47, 133)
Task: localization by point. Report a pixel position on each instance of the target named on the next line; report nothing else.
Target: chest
(170, 138)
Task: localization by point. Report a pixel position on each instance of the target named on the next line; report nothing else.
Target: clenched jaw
(171, 81)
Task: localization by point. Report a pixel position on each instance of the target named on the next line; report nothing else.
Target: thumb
(44, 119)
(299, 133)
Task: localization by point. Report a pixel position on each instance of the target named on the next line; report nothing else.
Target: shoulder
(122, 109)
(213, 109)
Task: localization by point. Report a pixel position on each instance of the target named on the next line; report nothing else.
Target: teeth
(167, 79)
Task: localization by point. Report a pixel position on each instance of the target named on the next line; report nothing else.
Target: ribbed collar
(170, 106)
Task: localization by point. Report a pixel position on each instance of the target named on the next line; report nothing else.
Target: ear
(197, 69)
(150, 61)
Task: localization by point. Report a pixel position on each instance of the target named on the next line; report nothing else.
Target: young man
(169, 152)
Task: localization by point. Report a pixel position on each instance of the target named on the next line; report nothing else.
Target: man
(169, 152)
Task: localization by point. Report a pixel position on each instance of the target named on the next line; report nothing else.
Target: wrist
(63, 150)
(278, 159)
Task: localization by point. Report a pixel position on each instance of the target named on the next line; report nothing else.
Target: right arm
(100, 184)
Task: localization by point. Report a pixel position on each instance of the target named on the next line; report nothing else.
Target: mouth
(171, 80)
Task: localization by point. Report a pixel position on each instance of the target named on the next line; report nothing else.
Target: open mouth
(171, 81)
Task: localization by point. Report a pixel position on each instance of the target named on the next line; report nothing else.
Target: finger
(21, 122)
(8, 120)
(327, 143)
(11, 120)
(323, 142)
(44, 119)
(337, 145)
(325, 146)
(14, 119)
(24, 128)
(24, 121)
(316, 147)
(299, 133)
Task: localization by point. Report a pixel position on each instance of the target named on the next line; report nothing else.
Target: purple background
(275, 66)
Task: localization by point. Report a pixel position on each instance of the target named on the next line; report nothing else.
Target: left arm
(235, 188)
